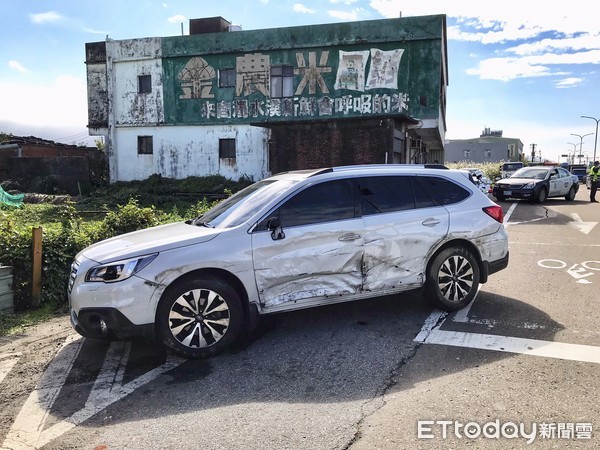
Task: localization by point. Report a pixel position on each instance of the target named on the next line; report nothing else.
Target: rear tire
(571, 195)
(199, 318)
(452, 279)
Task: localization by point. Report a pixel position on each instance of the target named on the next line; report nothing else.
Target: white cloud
(355, 14)
(15, 65)
(344, 2)
(46, 17)
(176, 19)
(300, 8)
(569, 83)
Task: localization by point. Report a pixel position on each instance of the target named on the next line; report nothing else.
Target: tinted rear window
(442, 190)
(386, 194)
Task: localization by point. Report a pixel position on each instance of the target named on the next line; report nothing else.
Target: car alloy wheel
(200, 318)
(452, 279)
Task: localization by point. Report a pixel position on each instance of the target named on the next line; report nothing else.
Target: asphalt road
(519, 365)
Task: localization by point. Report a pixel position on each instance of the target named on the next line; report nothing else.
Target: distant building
(490, 146)
(252, 103)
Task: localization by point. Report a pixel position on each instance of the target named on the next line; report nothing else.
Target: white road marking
(509, 213)
(548, 349)
(580, 225)
(7, 365)
(431, 334)
(28, 430)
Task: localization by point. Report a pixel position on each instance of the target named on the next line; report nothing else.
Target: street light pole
(581, 143)
(596, 141)
(572, 158)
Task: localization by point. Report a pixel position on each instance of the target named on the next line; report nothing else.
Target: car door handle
(349, 237)
(431, 222)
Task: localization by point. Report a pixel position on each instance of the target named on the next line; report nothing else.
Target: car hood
(150, 240)
(518, 181)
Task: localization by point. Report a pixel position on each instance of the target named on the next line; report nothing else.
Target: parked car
(537, 183)
(509, 168)
(295, 240)
(580, 170)
(484, 183)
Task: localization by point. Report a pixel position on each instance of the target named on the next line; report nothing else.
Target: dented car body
(295, 240)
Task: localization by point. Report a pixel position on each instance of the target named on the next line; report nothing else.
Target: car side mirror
(274, 225)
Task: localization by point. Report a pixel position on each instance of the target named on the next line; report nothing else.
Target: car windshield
(241, 206)
(533, 173)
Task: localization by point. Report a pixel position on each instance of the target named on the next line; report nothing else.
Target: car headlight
(529, 185)
(118, 270)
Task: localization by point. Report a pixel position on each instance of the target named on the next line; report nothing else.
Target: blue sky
(528, 68)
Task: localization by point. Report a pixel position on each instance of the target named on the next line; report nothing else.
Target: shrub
(66, 231)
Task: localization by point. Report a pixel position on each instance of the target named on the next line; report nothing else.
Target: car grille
(73, 274)
(510, 186)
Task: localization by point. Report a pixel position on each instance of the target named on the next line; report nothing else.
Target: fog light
(103, 327)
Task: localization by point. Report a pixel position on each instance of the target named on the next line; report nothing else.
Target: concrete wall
(180, 152)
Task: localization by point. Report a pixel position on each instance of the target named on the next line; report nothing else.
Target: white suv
(295, 240)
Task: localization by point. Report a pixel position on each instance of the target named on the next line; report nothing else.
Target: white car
(295, 240)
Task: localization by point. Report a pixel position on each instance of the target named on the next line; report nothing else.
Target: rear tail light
(495, 212)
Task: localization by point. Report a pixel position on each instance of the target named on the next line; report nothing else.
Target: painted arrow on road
(580, 225)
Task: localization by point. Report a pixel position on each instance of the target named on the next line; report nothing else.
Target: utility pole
(533, 152)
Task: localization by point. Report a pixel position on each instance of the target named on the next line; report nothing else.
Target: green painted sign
(245, 77)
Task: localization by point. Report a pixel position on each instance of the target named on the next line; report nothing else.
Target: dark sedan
(537, 183)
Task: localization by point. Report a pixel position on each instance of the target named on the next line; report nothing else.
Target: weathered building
(252, 103)
(490, 146)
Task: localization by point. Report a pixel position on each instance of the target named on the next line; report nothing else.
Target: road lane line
(547, 349)
(509, 213)
(28, 425)
(6, 367)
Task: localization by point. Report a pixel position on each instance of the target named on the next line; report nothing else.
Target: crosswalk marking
(28, 430)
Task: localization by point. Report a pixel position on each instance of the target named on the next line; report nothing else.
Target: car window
(386, 194)
(324, 202)
(442, 190)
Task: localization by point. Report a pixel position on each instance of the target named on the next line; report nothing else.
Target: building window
(487, 154)
(144, 84)
(282, 81)
(226, 78)
(466, 154)
(227, 148)
(145, 145)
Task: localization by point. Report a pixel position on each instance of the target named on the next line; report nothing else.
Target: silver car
(295, 240)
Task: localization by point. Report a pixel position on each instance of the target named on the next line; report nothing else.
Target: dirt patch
(23, 359)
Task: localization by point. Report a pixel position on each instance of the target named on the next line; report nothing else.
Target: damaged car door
(310, 247)
(402, 225)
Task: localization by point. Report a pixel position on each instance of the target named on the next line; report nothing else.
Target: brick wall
(335, 143)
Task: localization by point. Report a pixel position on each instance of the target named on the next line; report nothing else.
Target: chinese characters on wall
(312, 96)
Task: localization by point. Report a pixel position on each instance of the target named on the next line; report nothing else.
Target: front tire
(199, 318)
(541, 196)
(452, 279)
